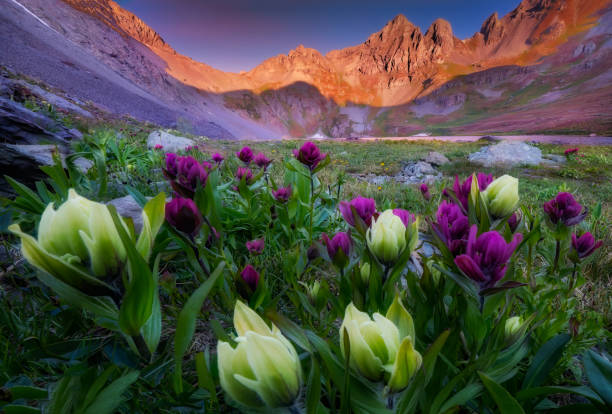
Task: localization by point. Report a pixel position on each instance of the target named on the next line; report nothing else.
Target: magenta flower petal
(183, 215)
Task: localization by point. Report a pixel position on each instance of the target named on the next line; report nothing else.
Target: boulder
(507, 153)
(436, 158)
(489, 138)
(19, 125)
(169, 142)
(23, 161)
(128, 207)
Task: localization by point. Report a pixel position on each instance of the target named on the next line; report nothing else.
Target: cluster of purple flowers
(186, 173)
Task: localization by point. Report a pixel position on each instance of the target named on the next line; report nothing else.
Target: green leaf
(185, 326)
(313, 389)
(19, 409)
(110, 397)
(462, 396)
(137, 304)
(19, 392)
(599, 372)
(100, 306)
(205, 379)
(33, 202)
(431, 355)
(505, 402)
(152, 219)
(544, 361)
(289, 329)
(545, 391)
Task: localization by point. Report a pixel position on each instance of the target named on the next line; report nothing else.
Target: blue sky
(235, 35)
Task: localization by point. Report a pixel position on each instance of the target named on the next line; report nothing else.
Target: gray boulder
(128, 207)
(19, 125)
(507, 153)
(169, 142)
(436, 158)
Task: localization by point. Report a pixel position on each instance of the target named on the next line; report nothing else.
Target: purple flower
(250, 276)
(256, 246)
(190, 172)
(262, 161)
(158, 146)
(486, 257)
(183, 215)
(283, 194)
(309, 155)
(425, 192)
(570, 151)
(207, 166)
(244, 172)
(462, 190)
(584, 245)
(365, 208)
(452, 227)
(338, 248)
(217, 158)
(406, 216)
(172, 164)
(245, 155)
(513, 222)
(565, 209)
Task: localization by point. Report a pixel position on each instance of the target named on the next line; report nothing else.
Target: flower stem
(311, 206)
(557, 252)
(573, 279)
(142, 347)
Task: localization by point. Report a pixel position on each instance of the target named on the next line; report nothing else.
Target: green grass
(35, 349)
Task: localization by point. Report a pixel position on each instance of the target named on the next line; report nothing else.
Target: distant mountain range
(544, 67)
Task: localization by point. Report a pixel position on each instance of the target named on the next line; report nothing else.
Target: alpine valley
(545, 67)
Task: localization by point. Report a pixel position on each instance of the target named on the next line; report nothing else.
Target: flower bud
(381, 348)
(243, 172)
(425, 192)
(262, 161)
(264, 368)
(564, 209)
(80, 232)
(365, 271)
(513, 326)
(338, 248)
(283, 194)
(245, 155)
(364, 207)
(583, 246)
(217, 158)
(386, 237)
(256, 246)
(172, 165)
(502, 196)
(250, 276)
(309, 155)
(183, 215)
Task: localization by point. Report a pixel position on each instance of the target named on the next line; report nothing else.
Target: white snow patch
(33, 15)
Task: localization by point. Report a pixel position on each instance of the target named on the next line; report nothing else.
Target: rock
(20, 88)
(128, 207)
(28, 158)
(489, 138)
(19, 125)
(507, 153)
(169, 142)
(419, 169)
(560, 159)
(436, 158)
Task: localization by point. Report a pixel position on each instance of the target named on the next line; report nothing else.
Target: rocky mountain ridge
(543, 57)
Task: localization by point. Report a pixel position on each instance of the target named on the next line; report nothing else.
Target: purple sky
(235, 35)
